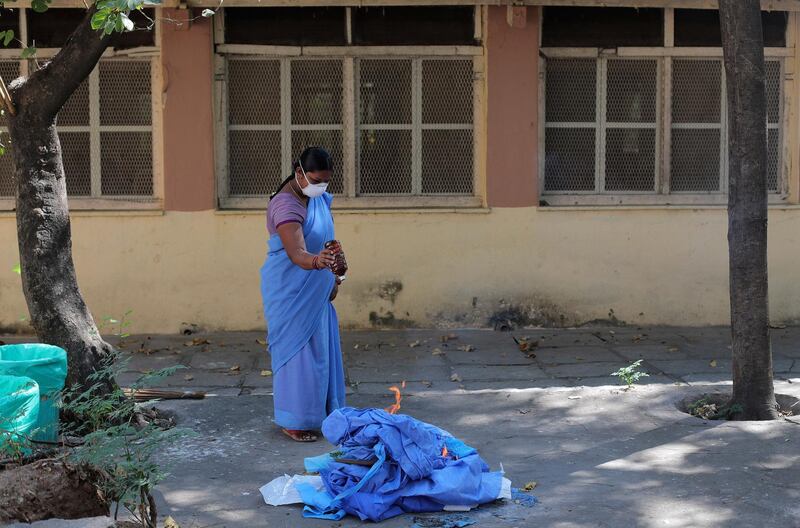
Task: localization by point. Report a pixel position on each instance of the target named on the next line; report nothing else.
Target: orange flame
(444, 451)
(393, 408)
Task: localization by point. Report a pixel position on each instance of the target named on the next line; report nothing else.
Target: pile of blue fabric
(389, 464)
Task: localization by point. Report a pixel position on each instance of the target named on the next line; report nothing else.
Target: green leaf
(8, 37)
(28, 52)
(2, 150)
(40, 6)
(100, 17)
(17, 269)
(126, 22)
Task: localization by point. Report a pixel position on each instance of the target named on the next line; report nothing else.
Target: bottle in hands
(339, 266)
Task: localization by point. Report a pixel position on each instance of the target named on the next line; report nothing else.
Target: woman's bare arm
(294, 243)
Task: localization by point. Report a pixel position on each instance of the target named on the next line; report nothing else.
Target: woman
(297, 287)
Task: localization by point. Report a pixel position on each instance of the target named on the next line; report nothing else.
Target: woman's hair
(313, 159)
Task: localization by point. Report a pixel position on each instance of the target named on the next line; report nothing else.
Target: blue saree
(302, 327)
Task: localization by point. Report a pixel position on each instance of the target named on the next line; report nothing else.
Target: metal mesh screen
(696, 91)
(330, 140)
(447, 91)
(570, 134)
(254, 162)
(254, 92)
(570, 159)
(7, 183)
(695, 161)
(126, 163)
(254, 100)
(385, 162)
(630, 159)
(571, 91)
(316, 92)
(773, 88)
(77, 166)
(447, 162)
(696, 125)
(385, 97)
(75, 111)
(773, 159)
(447, 115)
(125, 94)
(631, 91)
(385, 91)
(9, 70)
(316, 102)
(774, 108)
(631, 101)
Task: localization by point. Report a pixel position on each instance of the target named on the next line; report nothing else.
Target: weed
(630, 374)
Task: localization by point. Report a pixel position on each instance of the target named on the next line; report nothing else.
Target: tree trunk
(743, 48)
(58, 313)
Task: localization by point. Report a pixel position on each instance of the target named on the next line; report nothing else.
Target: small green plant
(117, 327)
(116, 442)
(707, 410)
(12, 445)
(630, 374)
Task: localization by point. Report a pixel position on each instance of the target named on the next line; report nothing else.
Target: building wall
(191, 263)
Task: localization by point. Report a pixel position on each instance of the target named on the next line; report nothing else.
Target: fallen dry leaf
(529, 486)
(261, 341)
(169, 522)
(455, 377)
(266, 373)
(672, 349)
(466, 348)
(413, 344)
(188, 377)
(234, 368)
(437, 352)
(197, 342)
(712, 363)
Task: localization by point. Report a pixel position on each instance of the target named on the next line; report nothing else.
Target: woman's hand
(325, 259)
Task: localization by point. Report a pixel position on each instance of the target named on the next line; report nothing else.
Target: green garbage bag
(19, 411)
(47, 366)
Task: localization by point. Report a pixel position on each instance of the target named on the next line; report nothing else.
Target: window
(400, 124)
(652, 128)
(602, 27)
(106, 126)
(700, 27)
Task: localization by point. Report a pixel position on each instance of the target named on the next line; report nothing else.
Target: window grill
(106, 126)
(277, 107)
(615, 146)
(411, 122)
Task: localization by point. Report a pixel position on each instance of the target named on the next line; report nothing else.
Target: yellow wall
(650, 266)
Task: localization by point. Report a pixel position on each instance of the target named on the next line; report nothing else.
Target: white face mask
(312, 190)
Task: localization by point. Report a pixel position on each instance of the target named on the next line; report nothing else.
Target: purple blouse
(282, 209)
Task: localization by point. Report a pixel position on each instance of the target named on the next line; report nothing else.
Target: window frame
(662, 196)
(98, 202)
(349, 55)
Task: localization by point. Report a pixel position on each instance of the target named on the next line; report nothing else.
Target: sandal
(300, 436)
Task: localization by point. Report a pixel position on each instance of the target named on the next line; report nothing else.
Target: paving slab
(602, 456)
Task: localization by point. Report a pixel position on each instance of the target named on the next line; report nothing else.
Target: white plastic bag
(281, 491)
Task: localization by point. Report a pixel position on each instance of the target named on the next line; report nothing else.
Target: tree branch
(61, 76)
